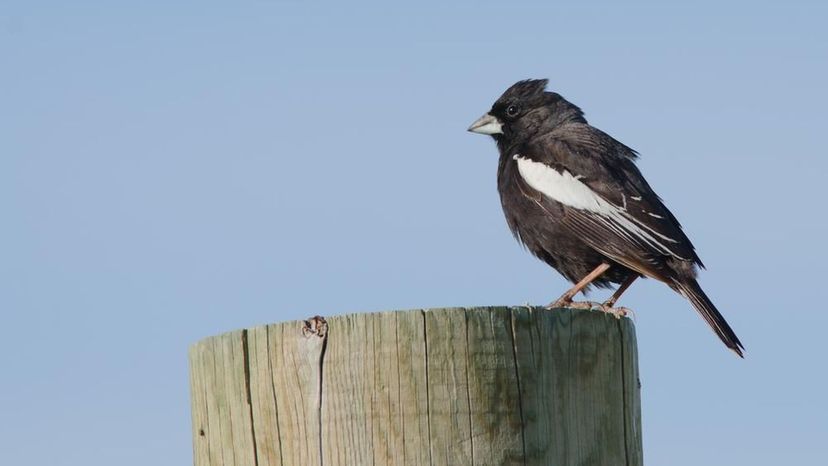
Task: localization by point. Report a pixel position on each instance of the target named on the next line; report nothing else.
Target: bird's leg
(608, 304)
(621, 289)
(566, 299)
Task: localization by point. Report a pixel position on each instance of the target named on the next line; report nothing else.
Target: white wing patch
(562, 187)
(569, 190)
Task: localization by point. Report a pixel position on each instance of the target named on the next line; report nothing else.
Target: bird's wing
(606, 200)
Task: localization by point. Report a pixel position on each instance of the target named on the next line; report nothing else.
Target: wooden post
(479, 386)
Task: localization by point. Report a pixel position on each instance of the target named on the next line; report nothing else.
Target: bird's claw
(618, 312)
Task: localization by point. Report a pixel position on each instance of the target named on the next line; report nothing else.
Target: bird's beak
(487, 124)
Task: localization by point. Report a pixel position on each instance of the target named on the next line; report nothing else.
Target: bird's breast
(529, 215)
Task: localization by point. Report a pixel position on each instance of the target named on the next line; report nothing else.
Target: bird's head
(525, 109)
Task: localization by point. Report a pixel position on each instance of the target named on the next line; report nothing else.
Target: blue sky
(173, 171)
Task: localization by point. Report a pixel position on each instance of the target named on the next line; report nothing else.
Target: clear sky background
(173, 171)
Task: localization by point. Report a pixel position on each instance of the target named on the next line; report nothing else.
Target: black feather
(693, 292)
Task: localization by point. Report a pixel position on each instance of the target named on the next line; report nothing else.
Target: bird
(574, 197)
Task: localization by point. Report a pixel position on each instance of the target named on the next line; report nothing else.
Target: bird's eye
(512, 110)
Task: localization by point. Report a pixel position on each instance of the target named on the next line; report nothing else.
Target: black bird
(574, 197)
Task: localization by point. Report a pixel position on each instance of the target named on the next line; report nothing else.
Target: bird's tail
(692, 291)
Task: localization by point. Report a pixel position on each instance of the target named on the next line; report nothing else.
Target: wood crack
(517, 379)
(246, 356)
(428, 386)
(468, 385)
(321, 399)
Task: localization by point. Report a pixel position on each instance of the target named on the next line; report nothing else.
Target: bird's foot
(560, 302)
(585, 305)
(618, 312)
(568, 303)
(563, 301)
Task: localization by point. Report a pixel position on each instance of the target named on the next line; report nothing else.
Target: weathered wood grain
(477, 386)
(222, 425)
(449, 416)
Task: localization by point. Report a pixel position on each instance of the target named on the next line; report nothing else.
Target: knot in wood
(316, 325)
